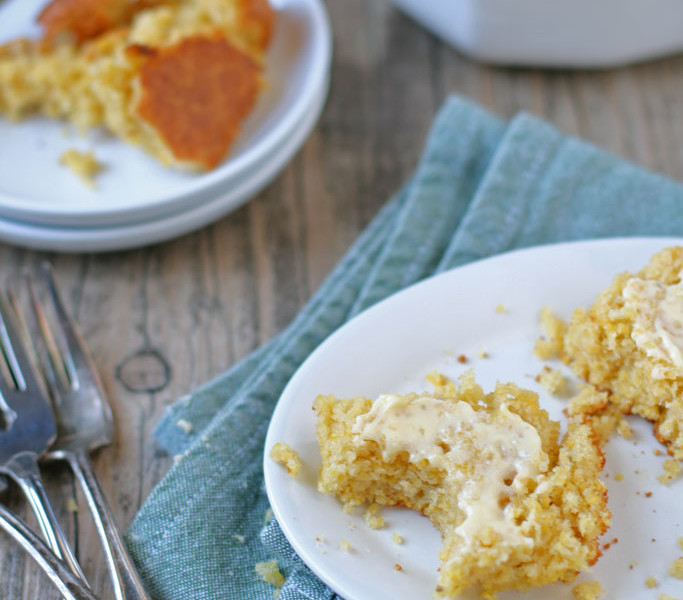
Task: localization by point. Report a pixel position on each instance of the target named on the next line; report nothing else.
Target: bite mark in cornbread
(515, 507)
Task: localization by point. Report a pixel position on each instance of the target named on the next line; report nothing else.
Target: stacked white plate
(136, 201)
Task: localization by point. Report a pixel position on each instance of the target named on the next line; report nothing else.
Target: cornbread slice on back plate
(629, 344)
(175, 77)
(515, 508)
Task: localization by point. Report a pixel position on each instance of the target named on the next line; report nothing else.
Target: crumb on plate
(283, 454)
(588, 590)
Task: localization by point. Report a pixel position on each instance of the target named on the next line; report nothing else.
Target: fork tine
(76, 359)
(52, 364)
(13, 346)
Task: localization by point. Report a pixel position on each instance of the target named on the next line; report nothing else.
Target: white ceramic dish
(143, 233)
(392, 346)
(134, 187)
(555, 33)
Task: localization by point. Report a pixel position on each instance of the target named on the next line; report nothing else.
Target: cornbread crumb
(676, 568)
(373, 517)
(345, 545)
(72, 505)
(398, 567)
(83, 164)
(588, 590)
(619, 477)
(437, 379)
(680, 543)
(651, 582)
(268, 515)
(481, 353)
(554, 520)
(240, 538)
(185, 425)
(553, 381)
(672, 470)
(500, 308)
(550, 346)
(397, 538)
(666, 597)
(283, 454)
(269, 571)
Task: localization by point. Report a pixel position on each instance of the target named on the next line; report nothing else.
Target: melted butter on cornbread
(657, 320)
(505, 450)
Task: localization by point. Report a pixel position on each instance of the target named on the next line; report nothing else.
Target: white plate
(579, 33)
(134, 186)
(143, 233)
(392, 346)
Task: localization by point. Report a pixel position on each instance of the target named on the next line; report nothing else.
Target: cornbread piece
(629, 343)
(176, 78)
(194, 95)
(86, 19)
(515, 508)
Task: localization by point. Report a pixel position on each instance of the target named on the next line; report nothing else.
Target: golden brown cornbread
(85, 19)
(600, 345)
(176, 78)
(551, 523)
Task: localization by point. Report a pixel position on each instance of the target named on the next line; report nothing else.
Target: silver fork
(27, 430)
(70, 586)
(84, 422)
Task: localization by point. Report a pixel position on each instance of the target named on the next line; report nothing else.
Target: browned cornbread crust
(560, 515)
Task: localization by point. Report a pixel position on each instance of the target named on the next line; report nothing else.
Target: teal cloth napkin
(483, 186)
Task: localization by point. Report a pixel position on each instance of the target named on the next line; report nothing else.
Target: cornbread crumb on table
(588, 590)
(540, 507)
(283, 454)
(174, 77)
(628, 344)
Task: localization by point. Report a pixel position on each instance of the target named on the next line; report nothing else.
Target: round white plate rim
(319, 55)
(106, 239)
(277, 481)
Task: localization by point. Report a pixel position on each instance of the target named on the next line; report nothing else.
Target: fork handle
(124, 575)
(23, 468)
(70, 586)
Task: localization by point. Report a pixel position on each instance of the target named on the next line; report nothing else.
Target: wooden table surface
(162, 320)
